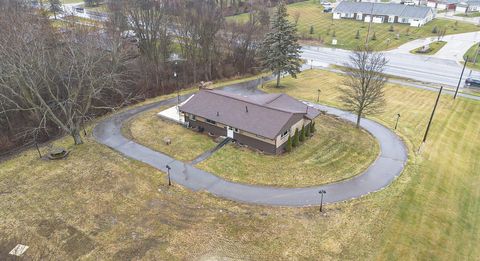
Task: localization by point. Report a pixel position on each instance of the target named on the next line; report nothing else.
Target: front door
(230, 132)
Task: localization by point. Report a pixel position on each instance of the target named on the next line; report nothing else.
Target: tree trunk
(359, 117)
(278, 80)
(76, 137)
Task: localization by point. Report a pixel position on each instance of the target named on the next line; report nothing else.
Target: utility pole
(433, 113)
(460, 80)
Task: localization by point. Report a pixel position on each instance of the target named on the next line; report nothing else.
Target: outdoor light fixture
(321, 192)
(168, 175)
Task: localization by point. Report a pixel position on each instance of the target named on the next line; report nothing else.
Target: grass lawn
(150, 130)
(474, 14)
(336, 151)
(311, 14)
(471, 57)
(433, 48)
(98, 205)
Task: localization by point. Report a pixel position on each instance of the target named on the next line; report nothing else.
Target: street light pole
(460, 80)
(396, 123)
(433, 113)
(321, 192)
(168, 175)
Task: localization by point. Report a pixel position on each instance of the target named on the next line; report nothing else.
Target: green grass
(311, 14)
(433, 48)
(474, 14)
(335, 152)
(150, 130)
(437, 213)
(97, 204)
(471, 53)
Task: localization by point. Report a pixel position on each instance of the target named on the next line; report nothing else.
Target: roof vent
(246, 108)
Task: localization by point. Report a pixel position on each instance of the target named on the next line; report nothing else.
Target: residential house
(443, 4)
(262, 121)
(384, 13)
(468, 6)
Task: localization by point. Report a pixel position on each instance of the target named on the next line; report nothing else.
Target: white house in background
(468, 6)
(384, 13)
(443, 4)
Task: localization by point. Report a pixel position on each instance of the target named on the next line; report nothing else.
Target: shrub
(357, 36)
(434, 30)
(374, 37)
(288, 147)
(311, 29)
(312, 127)
(307, 130)
(296, 139)
(302, 134)
(391, 28)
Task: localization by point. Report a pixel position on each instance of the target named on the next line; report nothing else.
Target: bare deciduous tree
(364, 83)
(59, 77)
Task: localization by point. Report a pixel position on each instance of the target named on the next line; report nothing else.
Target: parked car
(327, 9)
(472, 82)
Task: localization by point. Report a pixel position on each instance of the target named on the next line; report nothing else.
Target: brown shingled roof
(266, 115)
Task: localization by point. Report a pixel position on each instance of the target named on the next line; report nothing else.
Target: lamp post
(175, 59)
(321, 192)
(318, 95)
(396, 123)
(168, 175)
(311, 64)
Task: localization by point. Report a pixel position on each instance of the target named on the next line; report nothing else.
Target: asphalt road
(417, 67)
(389, 164)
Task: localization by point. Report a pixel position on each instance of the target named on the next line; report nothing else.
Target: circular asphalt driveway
(389, 165)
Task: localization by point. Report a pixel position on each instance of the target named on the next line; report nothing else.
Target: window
(211, 122)
(359, 16)
(192, 117)
(284, 134)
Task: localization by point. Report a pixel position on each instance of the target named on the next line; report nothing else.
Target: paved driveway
(381, 173)
(457, 45)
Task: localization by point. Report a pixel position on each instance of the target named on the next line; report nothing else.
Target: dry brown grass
(150, 130)
(337, 151)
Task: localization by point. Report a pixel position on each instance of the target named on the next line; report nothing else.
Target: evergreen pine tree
(288, 147)
(311, 29)
(280, 51)
(357, 36)
(302, 134)
(296, 138)
(374, 37)
(434, 30)
(312, 127)
(307, 130)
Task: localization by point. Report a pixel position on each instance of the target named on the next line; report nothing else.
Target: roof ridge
(248, 101)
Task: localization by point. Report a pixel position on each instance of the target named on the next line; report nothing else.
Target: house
(261, 121)
(468, 6)
(384, 13)
(443, 4)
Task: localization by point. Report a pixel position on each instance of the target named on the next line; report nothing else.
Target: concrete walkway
(388, 166)
(457, 45)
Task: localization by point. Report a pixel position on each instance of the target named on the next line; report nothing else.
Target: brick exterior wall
(242, 139)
